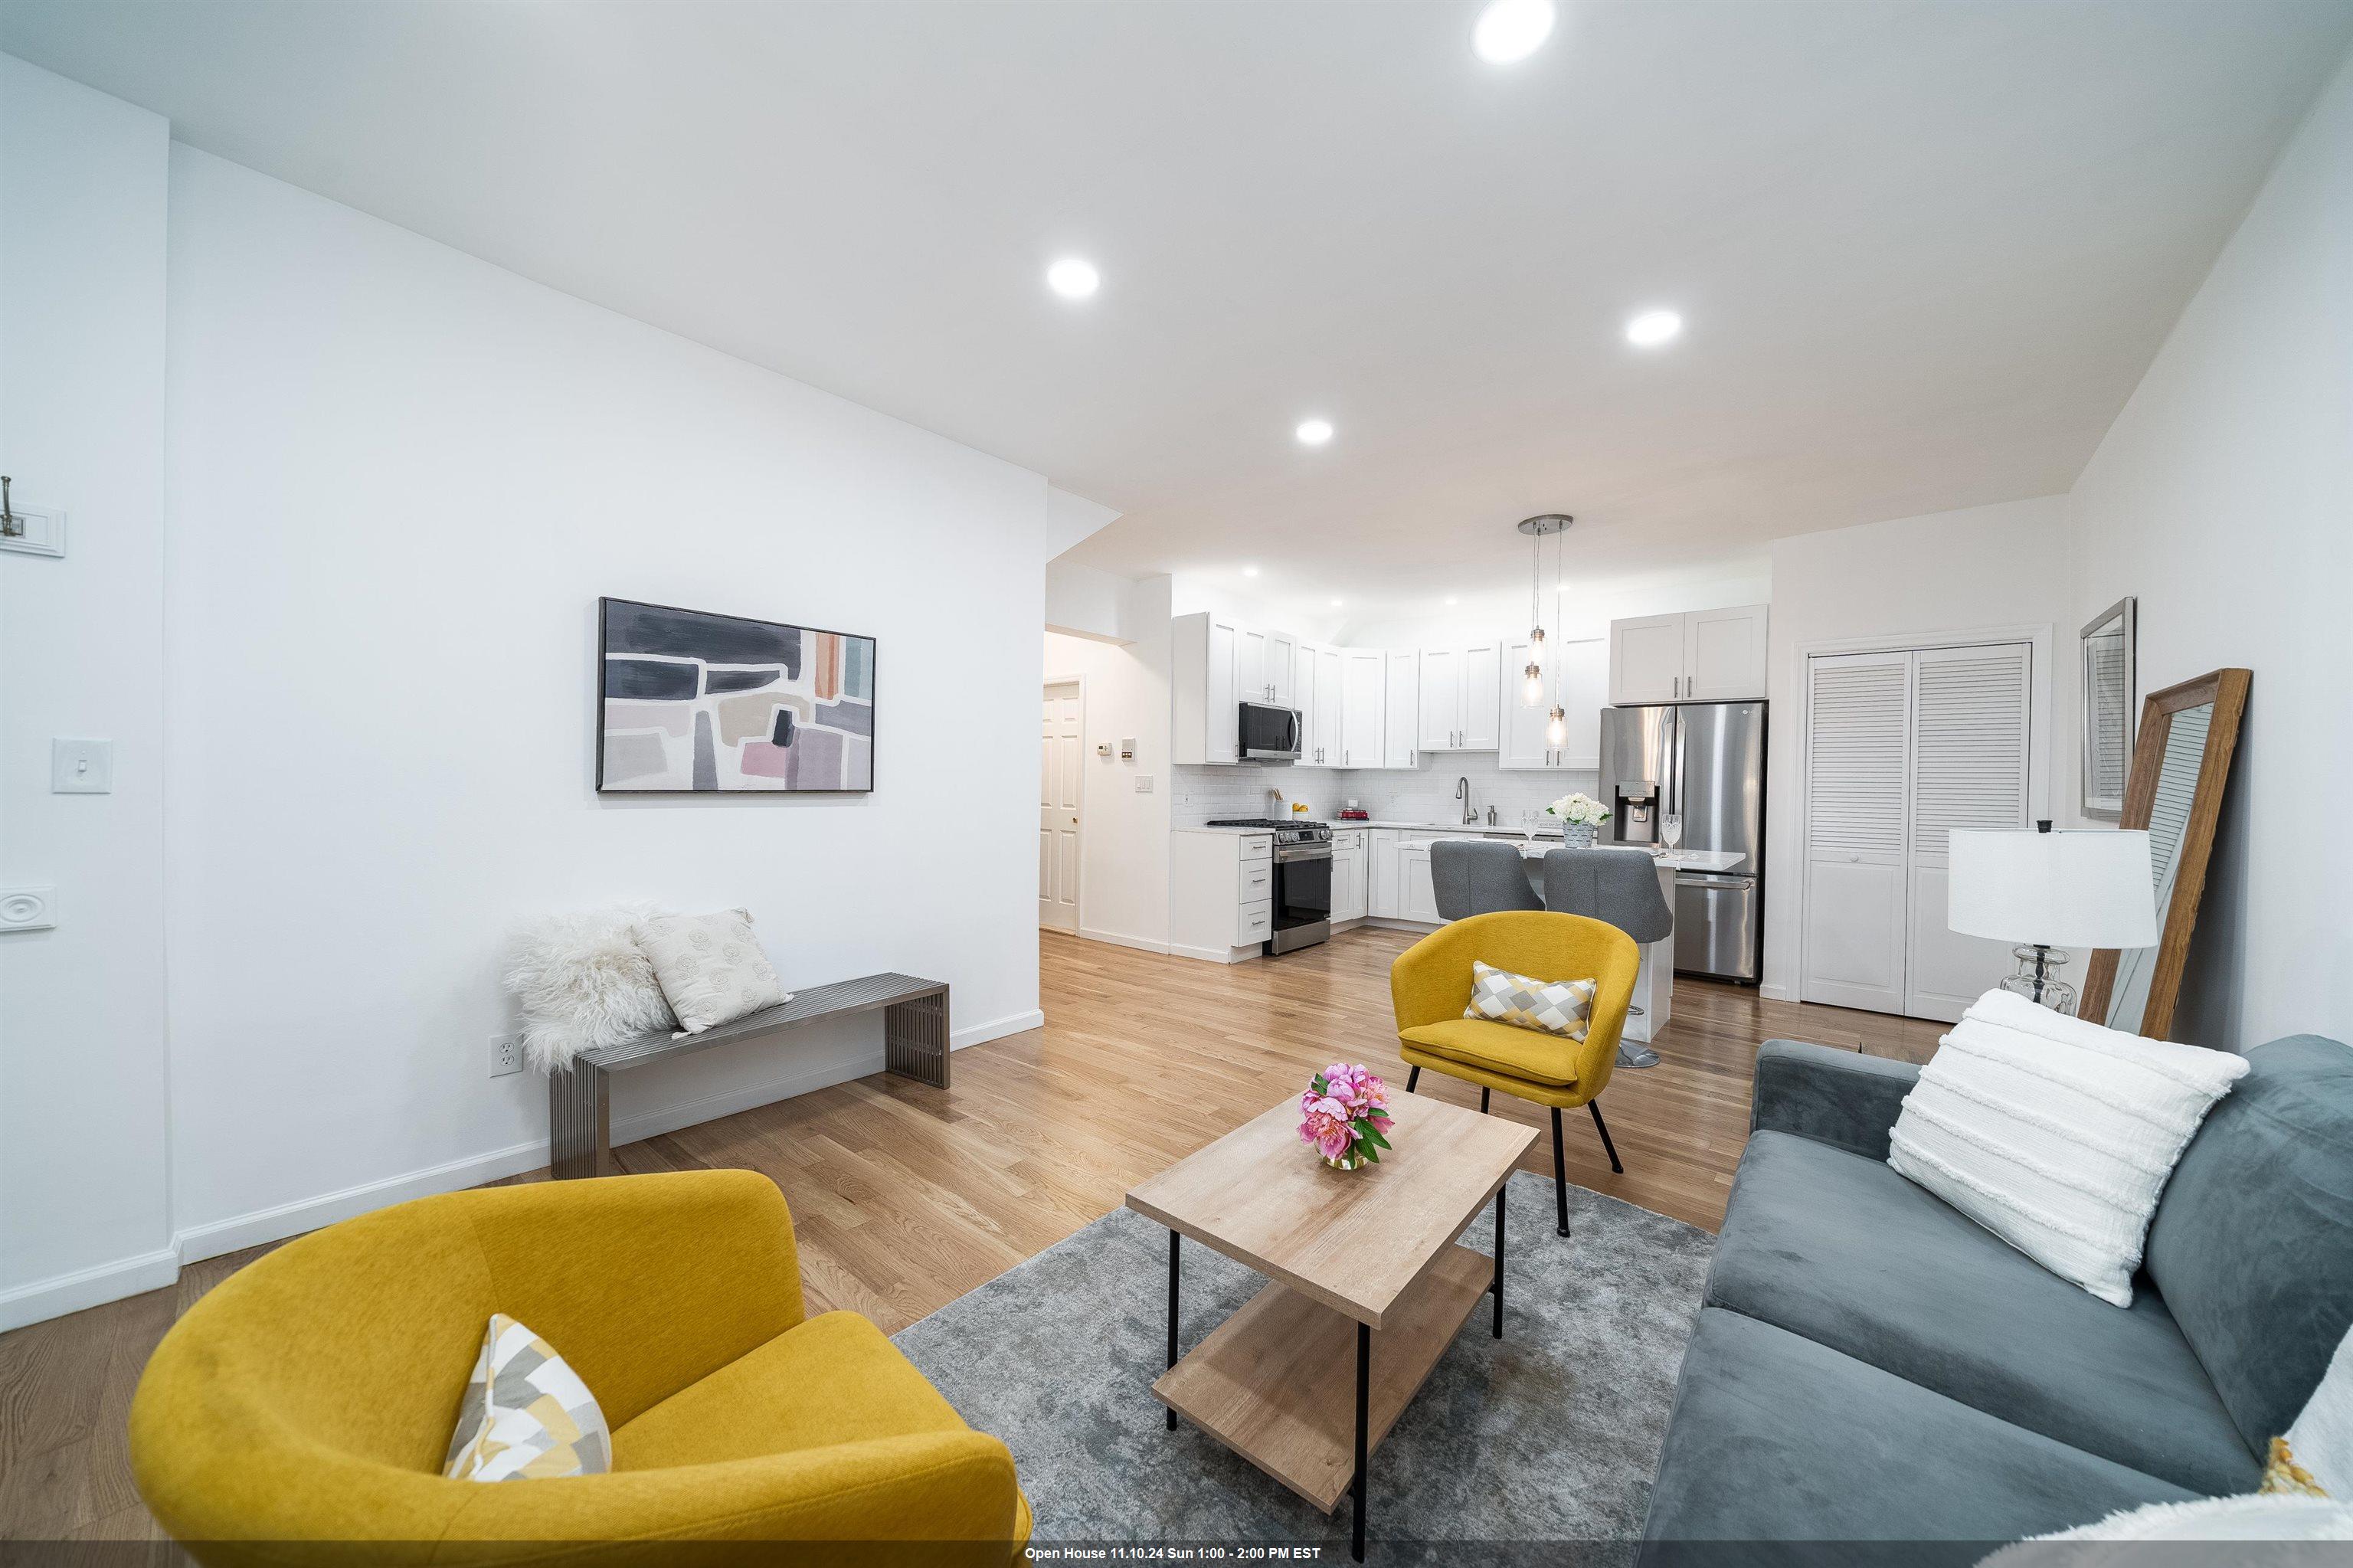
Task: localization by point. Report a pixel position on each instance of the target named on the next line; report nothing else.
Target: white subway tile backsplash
(1424, 794)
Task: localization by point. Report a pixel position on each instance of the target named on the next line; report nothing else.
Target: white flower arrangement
(1580, 809)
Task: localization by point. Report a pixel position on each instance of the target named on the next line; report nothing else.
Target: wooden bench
(579, 1099)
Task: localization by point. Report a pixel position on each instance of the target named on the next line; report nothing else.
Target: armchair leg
(1603, 1129)
(1483, 1101)
(1560, 1172)
(1412, 1077)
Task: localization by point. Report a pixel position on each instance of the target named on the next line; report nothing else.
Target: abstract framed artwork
(693, 703)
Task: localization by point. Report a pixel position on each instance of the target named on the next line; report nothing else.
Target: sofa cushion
(1499, 1048)
(831, 1380)
(1786, 1446)
(1844, 1251)
(2252, 1243)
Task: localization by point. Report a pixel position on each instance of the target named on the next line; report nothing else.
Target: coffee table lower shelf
(1276, 1383)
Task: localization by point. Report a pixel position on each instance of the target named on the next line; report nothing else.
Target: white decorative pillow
(2055, 1134)
(710, 968)
(2249, 1519)
(584, 982)
(1555, 1007)
(526, 1415)
(2321, 1436)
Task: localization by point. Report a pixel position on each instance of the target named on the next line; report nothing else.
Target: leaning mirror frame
(2223, 694)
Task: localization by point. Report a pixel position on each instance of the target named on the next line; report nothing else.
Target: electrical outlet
(506, 1054)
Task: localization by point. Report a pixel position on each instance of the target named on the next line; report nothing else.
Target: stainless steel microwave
(1269, 734)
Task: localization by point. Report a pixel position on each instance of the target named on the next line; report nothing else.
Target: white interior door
(1969, 708)
(1858, 785)
(1057, 807)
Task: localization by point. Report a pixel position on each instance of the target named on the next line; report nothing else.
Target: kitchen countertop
(1681, 860)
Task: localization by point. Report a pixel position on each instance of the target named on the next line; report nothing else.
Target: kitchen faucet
(1462, 793)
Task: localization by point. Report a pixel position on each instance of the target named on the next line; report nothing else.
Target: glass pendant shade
(1532, 688)
(1556, 730)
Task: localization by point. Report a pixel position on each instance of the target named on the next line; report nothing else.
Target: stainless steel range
(1302, 880)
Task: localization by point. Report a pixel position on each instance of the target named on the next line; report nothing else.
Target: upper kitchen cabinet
(1699, 656)
(1263, 666)
(1363, 685)
(1401, 709)
(1581, 686)
(1323, 730)
(1461, 694)
(1206, 689)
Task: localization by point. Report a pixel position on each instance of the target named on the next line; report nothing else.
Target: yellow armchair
(1429, 986)
(310, 1397)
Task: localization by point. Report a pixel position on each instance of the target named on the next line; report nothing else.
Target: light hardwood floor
(905, 1197)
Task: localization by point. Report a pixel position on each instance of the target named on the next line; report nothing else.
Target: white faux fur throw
(583, 983)
(2249, 1521)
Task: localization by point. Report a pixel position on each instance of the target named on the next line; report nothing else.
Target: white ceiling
(1925, 250)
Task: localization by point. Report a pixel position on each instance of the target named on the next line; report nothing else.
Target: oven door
(1303, 896)
(1269, 734)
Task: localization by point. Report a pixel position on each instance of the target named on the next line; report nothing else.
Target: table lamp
(2044, 891)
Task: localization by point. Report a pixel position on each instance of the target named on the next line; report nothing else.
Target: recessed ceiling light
(1653, 328)
(1314, 432)
(1336, 604)
(1452, 599)
(1073, 279)
(1510, 30)
(1249, 571)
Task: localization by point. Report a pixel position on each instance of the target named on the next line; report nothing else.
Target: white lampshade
(2085, 888)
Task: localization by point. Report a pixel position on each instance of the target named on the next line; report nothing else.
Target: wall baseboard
(996, 1029)
(1121, 939)
(1772, 992)
(200, 1242)
(63, 1293)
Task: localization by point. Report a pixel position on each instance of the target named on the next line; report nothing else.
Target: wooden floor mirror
(2181, 763)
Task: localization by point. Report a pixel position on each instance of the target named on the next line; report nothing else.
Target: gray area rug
(1547, 1438)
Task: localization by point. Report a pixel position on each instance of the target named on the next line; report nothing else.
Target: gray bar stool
(1617, 886)
(1479, 876)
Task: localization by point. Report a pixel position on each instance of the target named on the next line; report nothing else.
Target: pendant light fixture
(1538, 529)
(1557, 722)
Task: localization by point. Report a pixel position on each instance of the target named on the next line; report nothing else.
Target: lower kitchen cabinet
(1348, 863)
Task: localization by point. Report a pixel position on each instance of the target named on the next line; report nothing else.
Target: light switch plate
(81, 766)
(45, 530)
(29, 908)
(1144, 783)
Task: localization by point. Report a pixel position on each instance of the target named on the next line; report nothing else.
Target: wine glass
(1671, 830)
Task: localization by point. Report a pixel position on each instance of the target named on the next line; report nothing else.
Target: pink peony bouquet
(1346, 1110)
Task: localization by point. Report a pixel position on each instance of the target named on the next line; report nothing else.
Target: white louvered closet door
(1857, 788)
(1968, 771)
(1901, 748)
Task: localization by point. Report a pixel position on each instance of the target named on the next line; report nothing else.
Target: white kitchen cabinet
(1461, 697)
(1204, 709)
(1699, 656)
(1220, 893)
(1348, 865)
(1417, 896)
(1483, 696)
(1302, 698)
(1251, 682)
(1401, 709)
(1281, 657)
(1581, 682)
(1381, 896)
(1364, 675)
(1331, 706)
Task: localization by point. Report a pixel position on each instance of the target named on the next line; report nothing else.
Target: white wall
(1084, 603)
(2222, 497)
(83, 1140)
(1986, 567)
(1123, 834)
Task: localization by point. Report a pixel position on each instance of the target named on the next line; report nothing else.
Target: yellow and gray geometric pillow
(526, 1415)
(1555, 1007)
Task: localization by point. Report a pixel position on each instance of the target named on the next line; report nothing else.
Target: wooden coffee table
(1371, 1251)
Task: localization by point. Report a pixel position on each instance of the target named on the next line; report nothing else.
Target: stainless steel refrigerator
(1704, 762)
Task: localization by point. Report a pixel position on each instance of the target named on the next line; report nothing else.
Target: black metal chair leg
(1603, 1129)
(1498, 1286)
(1559, 1171)
(1483, 1100)
(1364, 1411)
(1175, 1243)
(1412, 1077)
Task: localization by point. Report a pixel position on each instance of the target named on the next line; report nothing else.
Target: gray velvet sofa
(1870, 1366)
